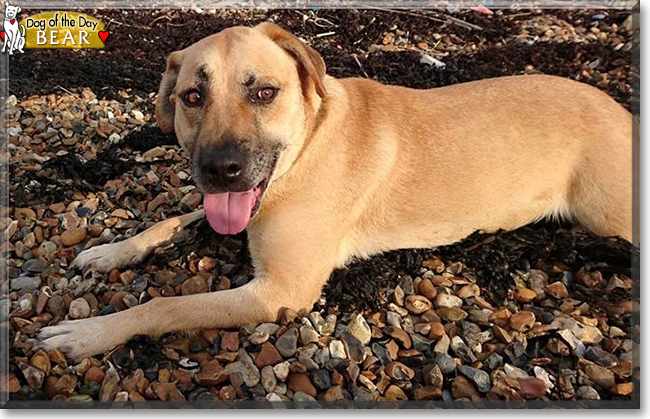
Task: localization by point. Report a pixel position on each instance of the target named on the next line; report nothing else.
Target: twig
(442, 17)
(360, 66)
(67, 91)
(324, 34)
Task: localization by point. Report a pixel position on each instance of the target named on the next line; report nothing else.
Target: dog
(320, 170)
(13, 38)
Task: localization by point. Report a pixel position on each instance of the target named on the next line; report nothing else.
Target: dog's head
(11, 11)
(241, 103)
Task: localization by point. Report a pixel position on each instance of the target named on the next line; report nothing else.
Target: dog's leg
(135, 249)
(290, 273)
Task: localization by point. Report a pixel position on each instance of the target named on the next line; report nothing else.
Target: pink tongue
(229, 213)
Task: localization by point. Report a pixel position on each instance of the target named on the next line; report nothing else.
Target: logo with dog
(14, 39)
(59, 29)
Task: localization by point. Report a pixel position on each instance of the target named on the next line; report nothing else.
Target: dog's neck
(9, 19)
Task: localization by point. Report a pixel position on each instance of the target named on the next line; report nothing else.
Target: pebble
(73, 236)
(524, 295)
(268, 355)
(245, 366)
(268, 379)
(194, 285)
(287, 344)
(462, 350)
(211, 374)
(600, 375)
(394, 393)
(577, 347)
(452, 314)
(322, 380)
(400, 336)
(398, 371)
(426, 288)
(478, 377)
(337, 349)
(300, 382)
(463, 388)
(432, 376)
(522, 321)
(557, 290)
(417, 304)
(448, 301)
(445, 362)
(281, 370)
(25, 283)
(531, 387)
(622, 389)
(353, 347)
(436, 331)
(79, 309)
(358, 327)
(110, 385)
(587, 393)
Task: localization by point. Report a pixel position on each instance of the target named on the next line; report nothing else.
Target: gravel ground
(542, 313)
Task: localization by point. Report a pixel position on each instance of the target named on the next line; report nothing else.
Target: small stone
(524, 295)
(531, 387)
(33, 376)
(452, 314)
(448, 301)
(358, 327)
(337, 349)
(258, 338)
(400, 336)
(109, 386)
(300, 382)
(577, 347)
(514, 372)
(322, 379)
(394, 393)
(432, 375)
(445, 362)
(426, 288)
(398, 371)
(230, 341)
(268, 379)
(600, 375)
(281, 371)
(462, 350)
(463, 388)
(587, 393)
(73, 236)
(417, 304)
(287, 344)
(24, 283)
(268, 355)
(79, 309)
(66, 384)
(522, 321)
(245, 366)
(493, 361)
(436, 331)
(211, 374)
(590, 280)
(601, 357)
(353, 347)
(41, 361)
(194, 285)
(478, 377)
(622, 389)
(557, 290)
(427, 393)
(94, 375)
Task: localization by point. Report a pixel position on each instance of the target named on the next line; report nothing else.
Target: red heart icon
(103, 35)
(12, 21)
(2, 35)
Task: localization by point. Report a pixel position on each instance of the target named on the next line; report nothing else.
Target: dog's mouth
(230, 212)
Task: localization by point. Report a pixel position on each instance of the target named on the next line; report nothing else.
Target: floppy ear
(164, 104)
(19, 9)
(310, 61)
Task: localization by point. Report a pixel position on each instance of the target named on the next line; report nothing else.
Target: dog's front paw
(80, 339)
(108, 256)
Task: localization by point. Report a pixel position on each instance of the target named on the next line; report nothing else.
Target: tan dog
(321, 170)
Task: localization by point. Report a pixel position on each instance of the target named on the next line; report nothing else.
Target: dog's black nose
(222, 166)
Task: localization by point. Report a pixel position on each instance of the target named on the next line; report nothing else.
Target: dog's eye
(192, 97)
(265, 95)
